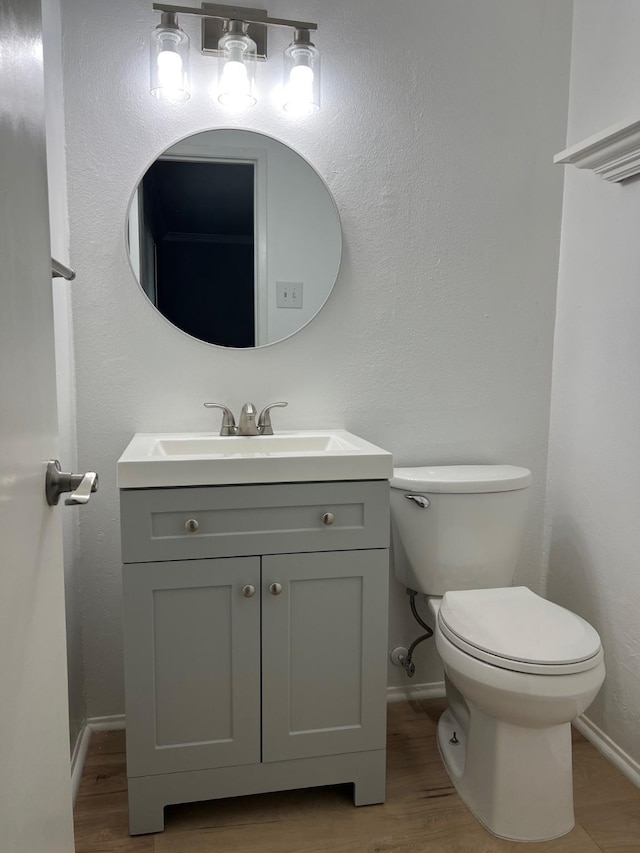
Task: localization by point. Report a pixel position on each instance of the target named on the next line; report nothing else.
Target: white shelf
(614, 153)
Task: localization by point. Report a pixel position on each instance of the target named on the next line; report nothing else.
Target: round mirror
(234, 238)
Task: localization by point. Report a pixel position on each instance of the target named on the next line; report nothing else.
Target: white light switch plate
(289, 294)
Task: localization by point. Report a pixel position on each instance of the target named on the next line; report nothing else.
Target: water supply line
(406, 661)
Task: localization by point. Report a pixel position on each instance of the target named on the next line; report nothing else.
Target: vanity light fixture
(238, 53)
(169, 60)
(302, 75)
(238, 36)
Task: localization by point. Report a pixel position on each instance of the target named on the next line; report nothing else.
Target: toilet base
(516, 781)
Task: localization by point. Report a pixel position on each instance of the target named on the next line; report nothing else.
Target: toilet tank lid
(460, 479)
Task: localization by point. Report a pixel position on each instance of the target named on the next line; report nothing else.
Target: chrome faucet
(247, 424)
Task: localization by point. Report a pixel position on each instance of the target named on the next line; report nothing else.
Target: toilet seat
(515, 629)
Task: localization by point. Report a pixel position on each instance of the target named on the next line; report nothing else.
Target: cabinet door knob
(328, 518)
(191, 525)
(248, 590)
(275, 588)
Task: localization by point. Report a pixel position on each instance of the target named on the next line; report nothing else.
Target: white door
(35, 785)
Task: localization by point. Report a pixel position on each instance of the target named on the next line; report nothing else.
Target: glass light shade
(169, 61)
(237, 83)
(301, 76)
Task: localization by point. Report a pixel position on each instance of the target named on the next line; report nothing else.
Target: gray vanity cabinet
(255, 671)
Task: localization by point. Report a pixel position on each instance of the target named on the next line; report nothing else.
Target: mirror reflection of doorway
(197, 247)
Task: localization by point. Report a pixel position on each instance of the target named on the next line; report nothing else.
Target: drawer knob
(328, 518)
(248, 590)
(191, 526)
(275, 588)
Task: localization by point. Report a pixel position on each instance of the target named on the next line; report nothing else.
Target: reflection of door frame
(142, 247)
(190, 151)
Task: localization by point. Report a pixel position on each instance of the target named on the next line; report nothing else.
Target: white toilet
(517, 668)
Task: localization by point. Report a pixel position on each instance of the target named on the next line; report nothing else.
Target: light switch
(289, 294)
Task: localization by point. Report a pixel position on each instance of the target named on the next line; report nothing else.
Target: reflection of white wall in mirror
(133, 234)
(304, 239)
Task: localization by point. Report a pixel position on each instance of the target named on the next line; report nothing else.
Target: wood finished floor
(422, 812)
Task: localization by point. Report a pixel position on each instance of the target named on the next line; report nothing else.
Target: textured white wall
(58, 215)
(436, 134)
(594, 464)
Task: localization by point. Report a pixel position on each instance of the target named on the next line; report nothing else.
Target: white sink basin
(200, 459)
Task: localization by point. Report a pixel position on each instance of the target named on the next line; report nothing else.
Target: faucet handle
(228, 426)
(264, 421)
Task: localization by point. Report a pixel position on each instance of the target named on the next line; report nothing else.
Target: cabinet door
(192, 665)
(324, 653)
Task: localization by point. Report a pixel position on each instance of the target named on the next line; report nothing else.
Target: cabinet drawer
(227, 521)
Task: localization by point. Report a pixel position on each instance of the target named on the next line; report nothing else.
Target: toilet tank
(468, 532)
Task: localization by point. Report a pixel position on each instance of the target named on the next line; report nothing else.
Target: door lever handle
(57, 483)
(82, 493)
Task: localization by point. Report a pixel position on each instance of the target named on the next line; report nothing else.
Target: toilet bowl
(517, 668)
(505, 739)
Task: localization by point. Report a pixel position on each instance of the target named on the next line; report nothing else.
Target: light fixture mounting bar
(235, 13)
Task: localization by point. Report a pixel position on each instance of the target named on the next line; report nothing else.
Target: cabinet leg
(371, 789)
(146, 812)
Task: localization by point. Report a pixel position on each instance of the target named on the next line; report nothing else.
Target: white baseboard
(409, 692)
(113, 723)
(78, 758)
(609, 748)
(81, 747)
(414, 692)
